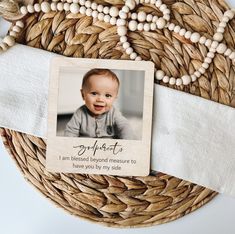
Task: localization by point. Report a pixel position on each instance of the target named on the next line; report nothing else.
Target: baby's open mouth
(98, 107)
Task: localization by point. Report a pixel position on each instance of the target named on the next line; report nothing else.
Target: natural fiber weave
(114, 200)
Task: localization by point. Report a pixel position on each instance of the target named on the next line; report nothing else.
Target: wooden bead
(132, 25)
(225, 19)
(53, 6)
(126, 45)
(113, 21)
(149, 18)
(20, 24)
(82, 10)
(222, 24)
(177, 29)
(229, 14)
(87, 4)
(60, 6)
(195, 37)
(211, 55)
(75, 1)
(208, 42)
(214, 44)
(106, 10)
(179, 81)
(166, 17)
(186, 79)
(37, 7)
(202, 70)
(153, 26)
(94, 6)
(220, 30)
(197, 74)
(100, 8)
(134, 16)
(131, 4)
(232, 55)
(158, 3)
(129, 50)
(82, 3)
(146, 27)
(30, 8)
(208, 60)
(171, 26)
(140, 27)
(113, 11)
(45, 7)
(13, 34)
(100, 16)
(122, 14)
(163, 7)
(193, 78)
(16, 29)
(153, 1)
(66, 6)
(123, 39)
(141, 16)
(138, 58)
(94, 14)
(227, 52)
(126, 9)
(166, 79)
(159, 74)
(161, 23)
(122, 30)
(9, 40)
(23, 10)
(187, 35)
(172, 81)
(89, 13)
(202, 40)
(154, 20)
(121, 22)
(218, 36)
(182, 31)
(4, 46)
(205, 65)
(133, 56)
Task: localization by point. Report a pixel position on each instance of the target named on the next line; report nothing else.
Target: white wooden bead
(222, 24)
(172, 81)
(113, 11)
(171, 26)
(60, 6)
(4, 46)
(107, 18)
(122, 30)
(122, 14)
(193, 78)
(232, 55)
(166, 17)
(100, 8)
(30, 8)
(195, 37)
(123, 39)
(121, 22)
(163, 7)
(134, 16)
(159, 74)
(166, 79)
(66, 6)
(74, 8)
(214, 44)
(208, 60)
(197, 74)
(75, 1)
(202, 40)
(218, 36)
(53, 6)
(146, 27)
(69, 1)
(87, 4)
(186, 79)
(161, 23)
(202, 70)
(154, 19)
(140, 27)
(179, 81)
(94, 14)
(82, 10)
(147, 1)
(138, 58)
(208, 42)
(205, 65)
(149, 17)
(211, 55)
(100, 16)
(153, 26)
(94, 6)
(225, 19)
(20, 24)
(220, 30)
(182, 31)
(129, 50)
(16, 29)
(177, 29)
(13, 34)
(158, 3)
(23, 10)
(132, 25)
(133, 56)
(89, 13)
(227, 52)
(45, 7)
(153, 2)
(212, 49)
(82, 2)
(141, 16)
(229, 14)
(113, 21)
(126, 9)
(166, 11)
(37, 7)
(187, 35)
(106, 10)
(9, 40)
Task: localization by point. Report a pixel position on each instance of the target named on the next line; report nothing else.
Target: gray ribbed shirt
(111, 124)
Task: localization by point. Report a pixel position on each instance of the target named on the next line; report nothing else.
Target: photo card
(100, 116)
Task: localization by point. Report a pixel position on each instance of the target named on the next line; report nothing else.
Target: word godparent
(114, 148)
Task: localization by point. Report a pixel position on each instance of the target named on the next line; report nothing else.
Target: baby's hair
(99, 71)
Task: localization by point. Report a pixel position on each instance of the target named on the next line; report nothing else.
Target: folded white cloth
(193, 138)
(23, 89)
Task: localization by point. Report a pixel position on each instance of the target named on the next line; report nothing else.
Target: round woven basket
(114, 200)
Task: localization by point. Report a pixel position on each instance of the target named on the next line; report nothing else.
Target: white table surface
(23, 210)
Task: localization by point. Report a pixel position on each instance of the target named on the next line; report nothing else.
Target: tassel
(9, 8)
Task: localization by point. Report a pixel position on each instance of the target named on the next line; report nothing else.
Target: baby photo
(100, 116)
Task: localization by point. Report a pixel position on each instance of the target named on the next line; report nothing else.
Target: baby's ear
(82, 93)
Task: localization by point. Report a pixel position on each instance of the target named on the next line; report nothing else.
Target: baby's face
(99, 93)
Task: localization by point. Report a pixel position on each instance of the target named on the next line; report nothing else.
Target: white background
(25, 211)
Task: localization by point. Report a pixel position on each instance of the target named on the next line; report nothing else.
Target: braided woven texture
(127, 201)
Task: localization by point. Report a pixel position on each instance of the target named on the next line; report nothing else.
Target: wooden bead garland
(138, 21)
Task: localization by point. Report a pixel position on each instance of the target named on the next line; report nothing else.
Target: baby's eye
(93, 93)
(108, 95)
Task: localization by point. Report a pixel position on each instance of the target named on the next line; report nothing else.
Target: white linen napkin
(193, 138)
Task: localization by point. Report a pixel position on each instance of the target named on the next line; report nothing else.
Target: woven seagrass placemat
(114, 200)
